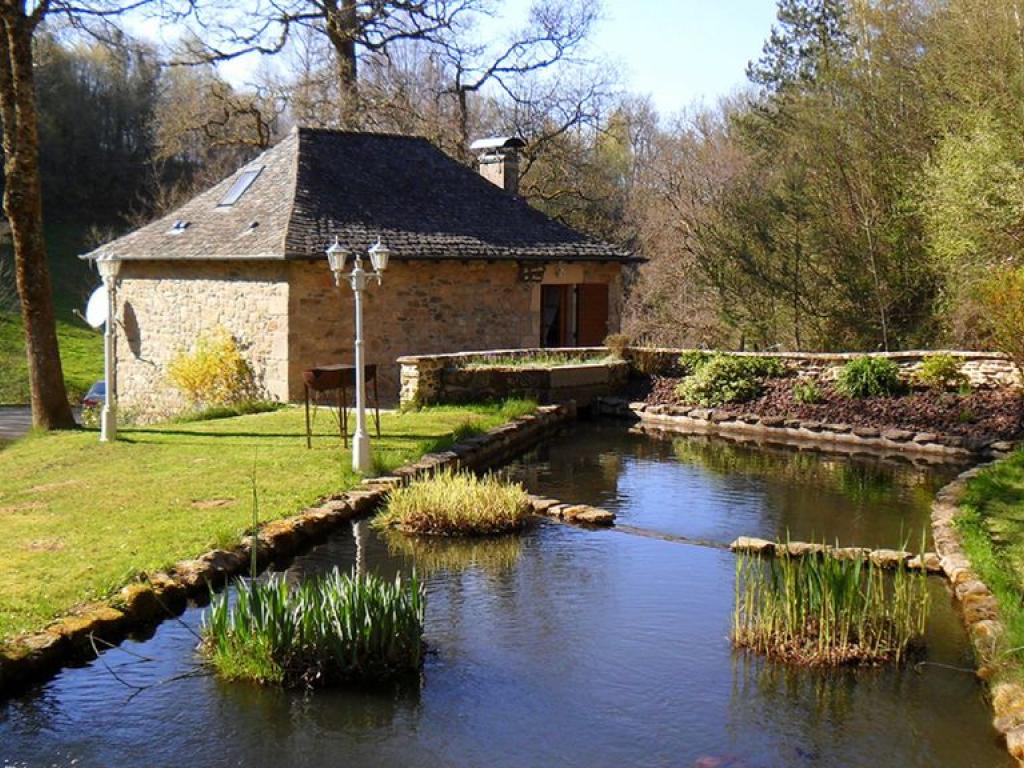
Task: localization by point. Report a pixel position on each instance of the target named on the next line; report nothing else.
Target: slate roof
(316, 184)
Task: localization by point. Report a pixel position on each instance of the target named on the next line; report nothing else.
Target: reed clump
(827, 611)
(456, 503)
(328, 630)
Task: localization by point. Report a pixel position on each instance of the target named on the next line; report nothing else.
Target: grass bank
(80, 519)
(992, 526)
(81, 353)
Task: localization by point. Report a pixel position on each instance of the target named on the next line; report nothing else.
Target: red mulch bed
(981, 417)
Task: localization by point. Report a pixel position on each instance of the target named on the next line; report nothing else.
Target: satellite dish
(96, 309)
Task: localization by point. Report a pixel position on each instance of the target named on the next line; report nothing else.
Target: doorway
(574, 315)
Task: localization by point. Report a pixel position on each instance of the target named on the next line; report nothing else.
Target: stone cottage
(472, 267)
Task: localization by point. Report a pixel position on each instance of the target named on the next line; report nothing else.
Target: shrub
(869, 377)
(214, 374)
(724, 378)
(807, 392)
(1002, 298)
(942, 372)
(617, 344)
(456, 504)
(826, 610)
(327, 630)
(690, 362)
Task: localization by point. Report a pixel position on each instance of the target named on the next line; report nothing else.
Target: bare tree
(350, 26)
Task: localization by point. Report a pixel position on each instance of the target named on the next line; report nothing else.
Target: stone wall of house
(289, 316)
(423, 308)
(165, 307)
(984, 369)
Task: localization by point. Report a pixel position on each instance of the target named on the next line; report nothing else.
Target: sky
(677, 51)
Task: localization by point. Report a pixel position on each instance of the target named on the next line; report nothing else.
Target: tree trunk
(23, 206)
(343, 31)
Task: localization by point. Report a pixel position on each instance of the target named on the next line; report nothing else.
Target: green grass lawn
(992, 525)
(80, 519)
(81, 353)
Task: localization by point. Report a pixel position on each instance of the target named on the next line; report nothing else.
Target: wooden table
(325, 378)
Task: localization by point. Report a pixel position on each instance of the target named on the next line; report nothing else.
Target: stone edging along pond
(721, 421)
(980, 611)
(142, 605)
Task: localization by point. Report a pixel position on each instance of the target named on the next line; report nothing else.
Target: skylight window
(242, 183)
(178, 227)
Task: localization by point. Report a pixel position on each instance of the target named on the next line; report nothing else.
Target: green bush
(456, 504)
(807, 392)
(869, 377)
(327, 630)
(690, 362)
(1002, 299)
(723, 378)
(942, 372)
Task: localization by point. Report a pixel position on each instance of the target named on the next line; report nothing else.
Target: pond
(561, 646)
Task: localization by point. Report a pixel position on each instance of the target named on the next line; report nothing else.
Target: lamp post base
(108, 425)
(362, 460)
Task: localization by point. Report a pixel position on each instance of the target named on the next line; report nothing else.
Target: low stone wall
(984, 369)
(687, 419)
(432, 379)
(144, 604)
(980, 612)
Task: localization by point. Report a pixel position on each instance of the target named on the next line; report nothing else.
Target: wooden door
(555, 319)
(591, 314)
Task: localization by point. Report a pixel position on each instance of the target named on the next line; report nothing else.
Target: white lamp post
(109, 266)
(358, 279)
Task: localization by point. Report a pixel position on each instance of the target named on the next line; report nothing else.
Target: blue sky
(677, 51)
(682, 51)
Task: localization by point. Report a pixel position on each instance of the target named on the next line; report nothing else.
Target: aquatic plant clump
(454, 503)
(828, 611)
(327, 630)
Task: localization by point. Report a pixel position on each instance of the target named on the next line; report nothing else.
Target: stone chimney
(499, 160)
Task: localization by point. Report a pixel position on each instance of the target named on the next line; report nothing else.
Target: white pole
(361, 458)
(108, 418)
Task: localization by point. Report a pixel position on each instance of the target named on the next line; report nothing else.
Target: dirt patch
(44, 545)
(979, 417)
(27, 506)
(211, 503)
(52, 486)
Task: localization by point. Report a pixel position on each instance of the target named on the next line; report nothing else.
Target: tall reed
(327, 630)
(823, 610)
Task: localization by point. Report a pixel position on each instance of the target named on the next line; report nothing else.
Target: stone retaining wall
(144, 604)
(980, 612)
(683, 418)
(452, 378)
(984, 369)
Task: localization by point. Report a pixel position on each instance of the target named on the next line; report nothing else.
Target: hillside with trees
(863, 192)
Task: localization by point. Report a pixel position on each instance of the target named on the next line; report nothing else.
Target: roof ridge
(286, 231)
(374, 134)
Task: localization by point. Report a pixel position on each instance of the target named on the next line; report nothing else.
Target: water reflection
(713, 489)
(557, 647)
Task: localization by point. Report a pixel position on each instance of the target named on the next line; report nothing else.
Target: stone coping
(904, 354)
(687, 419)
(143, 604)
(980, 611)
(454, 358)
(890, 559)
